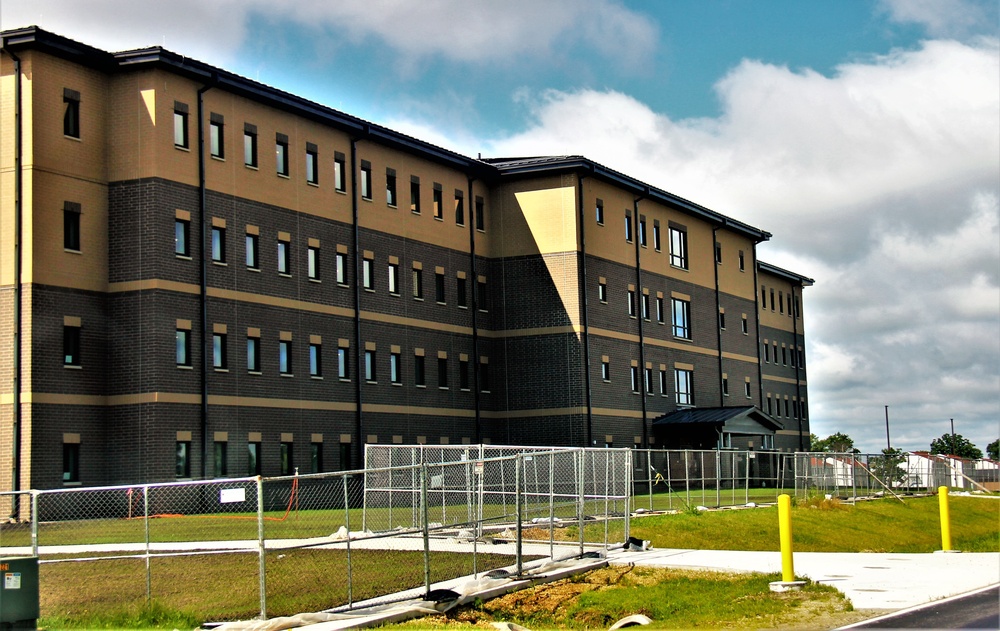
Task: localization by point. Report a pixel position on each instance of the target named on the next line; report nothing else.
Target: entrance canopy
(711, 428)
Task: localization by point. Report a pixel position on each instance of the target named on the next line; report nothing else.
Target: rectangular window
(250, 145)
(659, 309)
(312, 262)
(339, 169)
(763, 297)
(459, 208)
(480, 214)
(484, 376)
(71, 345)
(722, 320)
(628, 226)
(482, 296)
(366, 180)
(725, 386)
(415, 194)
(395, 368)
(634, 376)
(439, 288)
(71, 462)
(281, 154)
(419, 372)
(220, 461)
(746, 389)
(772, 299)
(606, 370)
(285, 357)
(802, 358)
(742, 259)
(438, 203)
(442, 372)
(180, 125)
(642, 230)
(71, 226)
(390, 187)
(602, 291)
(315, 457)
(631, 303)
(681, 318)
(284, 257)
(656, 235)
(745, 326)
(645, 306)
(418, 284)
(218, 244)
(648, 375)
(663, 382)
(216, 136)
(253, 258)
(463, 374)
(182, 245)
(253, 458)
(285, 453)
(784, 356)
(315, 359)
(182, 462)
(71, 117)
(599, 212)
(367, 274)
(781, 303)
(345, 456)
(718, 252)
(678, 247)
(343, 366)
(220, 351)
(370, 374)
(767, 352)
(460, 295)
(182, 339)
(253, 354)
(394, 279)
(683, 386)
(312, 163)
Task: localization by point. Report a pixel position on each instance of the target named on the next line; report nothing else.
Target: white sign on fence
(230, 496)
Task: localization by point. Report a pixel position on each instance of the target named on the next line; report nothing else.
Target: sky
(864, 135)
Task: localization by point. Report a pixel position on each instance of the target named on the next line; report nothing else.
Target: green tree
(993, 450)
(955, 445)
(886, 467)
(836, 443)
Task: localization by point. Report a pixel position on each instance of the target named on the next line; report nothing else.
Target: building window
(181, 125)
(480, 214)
(285, 452)
(438, 203)
(718, 252)
(71, 226)
(285, 357)
(218, 244)
(419, 372)
(484, 375)
(746, 389)
(682, 318)
(216, 137)
(599, 212)
(781, 303)
(394, 369)
(659, 309)
(250, 145)
(345, 456)
(656, 235)
(71, 117)
(745, 325)
(722, 320)
(71, 345)
(725, 386)
(460, 295)
(182, 245)
(370, 374)
(182, 340)
(648, 375)
(602, 291)
(315, 359)
(631, 303)
(442, 372)
(415, 194)
(390, 187)
(763, 297)
(767, 352)
(312, 163)
(642, 230)
(312, 262)
(482, 297)
(802, 358)
(315, 457)
(678, 247)
(683, 386)
(645, 306)
(463, 374)
(367, 274)
(663, 382)
(394, 279)
(459, 208)
(220, 351)
(343, 365)
(183, 459)
(253, 354)
(366, 180)
(769, 410)
(341, 261)
(220, 460)
(439, 288)
(418, 284)
(606, 370)
(628, 226)
(253, 458)
(772, 299)
(742, 259)
(634, 376)
(71, 462)
(281, 154)
(284, 257)
(339, 169)
(252, 245)
(784, 356)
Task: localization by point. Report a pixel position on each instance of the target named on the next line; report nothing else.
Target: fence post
(145, 519)
(582, 499)
(629, 486)
(34, 522)
(425, 525)
(261, 548)
(649, 475)
(552, 497)
(518, 498)
(347, 526)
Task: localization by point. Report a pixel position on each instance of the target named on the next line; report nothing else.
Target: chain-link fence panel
(16, 523)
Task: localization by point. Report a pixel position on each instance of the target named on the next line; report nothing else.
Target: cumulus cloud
(944, 18)
(880, 181)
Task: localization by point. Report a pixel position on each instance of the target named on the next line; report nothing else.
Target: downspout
(642, 316)
(475, 327)
(359, 351)
(203, 271)
(588, 430)
(757, 313)
(798, 383)
(15, 448)
(718, 307)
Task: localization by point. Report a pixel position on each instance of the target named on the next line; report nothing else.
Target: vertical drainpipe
(798, 382)
(475, 326)
(203, 271)
(588, 430)
(359, 351)
(15, 447)
(642, 340)
(718, 306)
(757, 313)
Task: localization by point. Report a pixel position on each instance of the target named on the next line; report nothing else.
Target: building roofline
(774, 270)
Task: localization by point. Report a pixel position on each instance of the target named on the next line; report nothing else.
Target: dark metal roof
(717, 416)
(774, 270)
(541, 164)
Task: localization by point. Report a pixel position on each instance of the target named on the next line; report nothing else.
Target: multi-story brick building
(204, 276)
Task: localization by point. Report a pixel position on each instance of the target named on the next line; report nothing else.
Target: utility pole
(953, 449)
(887, 445)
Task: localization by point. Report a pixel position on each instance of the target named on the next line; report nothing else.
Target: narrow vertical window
(71, 117)
(767, 352)
(395, 370)
(182, 245)
(253, 353)
(419, 371)
(678, 247)
(253, 458)
(681, 318)
(656, 235)
(367, 275)
(602, 291)
(339, 169)
(722, 320)
(459, 208)
(742, 260)
(442, 372)
(480, 214)
(71, 226)
(285, 357)
(415, 194)
(772, 299)
(370, 366)
(482, 295)
(220, 460)
(599, 212)
(628, 226)
(438, 203)
(659, 309)
(746, 389)
(253, 251)
(683, 384)
(281, 154)
(220, 354)
(315, 457)
(315, 359)
(366, 180)
(725, 385)
(418, 283)
(460, 293)
(180, 125)
(634, 378)
(645, 306)
(312, 163)
(343, 363)
(71, 345)
(484, 375)
(218, 244)
(463, 373)
(71, 462)
(312, 261)
(182, 345)
(606, 369)
(631, 303)
(216, 136)
(390, 187)
(341, 271)
(284, 257)
(718, 252)
(663, 382)
(285, 455)
(394, 279)
(763, 297)
(250, 145)
(439, 288)
(648, 378)
(642, 230)
(183, 459)
(745, 325)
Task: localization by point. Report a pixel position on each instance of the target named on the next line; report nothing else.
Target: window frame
(220, 351)
(312, 164)
(684, 387)
(343, 363)
(252, 251)
(71, 227)
(182, 348)
(315, 360)
(312, 263)
(182, 128)
(371, 369)
(281, 155)
(678, 247)
(182, 459)
(71, 463)
(72, 345)
(390, 188)
(414, 194)
(395, 369)
(366, 180)
(339, 172)
(285, 257)
(285, 358)
(680, 310)
(216, 137)
(253, 354)
(250, 154)
(182, 237)
(218, 245)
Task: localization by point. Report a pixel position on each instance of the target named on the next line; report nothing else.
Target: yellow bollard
(785, 536)
(945, 518)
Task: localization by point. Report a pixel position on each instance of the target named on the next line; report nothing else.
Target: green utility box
(18, 593)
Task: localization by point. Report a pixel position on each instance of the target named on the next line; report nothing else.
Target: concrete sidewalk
(869, 580)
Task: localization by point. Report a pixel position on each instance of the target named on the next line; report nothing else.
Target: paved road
(978, 610)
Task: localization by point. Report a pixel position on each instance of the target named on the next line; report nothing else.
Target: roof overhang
(737, 420)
